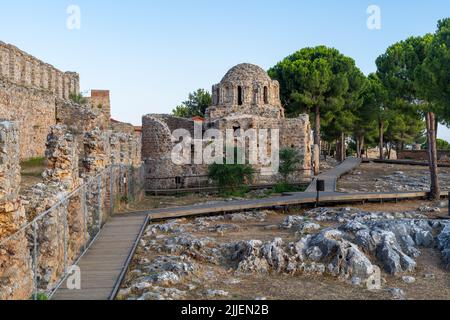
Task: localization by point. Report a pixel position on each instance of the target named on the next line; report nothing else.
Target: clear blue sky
(152, 53)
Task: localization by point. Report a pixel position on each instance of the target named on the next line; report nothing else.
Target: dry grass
(31, 171)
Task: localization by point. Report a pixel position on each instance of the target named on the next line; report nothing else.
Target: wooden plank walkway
(334, 174)
(292, 199)
(103, 266)
(410, 162)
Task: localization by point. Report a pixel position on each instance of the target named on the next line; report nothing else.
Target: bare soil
(379, 177)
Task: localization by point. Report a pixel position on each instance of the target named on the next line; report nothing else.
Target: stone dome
(246, 72)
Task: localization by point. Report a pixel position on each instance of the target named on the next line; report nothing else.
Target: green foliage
(398, 72)
(433, 76)
(77, 98)
(33, 162)
(397, 68)
(289, 161)
(312, 77)
(195, 106)
(283, 187)
(441, 145)
(324, 82)
(232, 179)
(125, 199)
(40, 297)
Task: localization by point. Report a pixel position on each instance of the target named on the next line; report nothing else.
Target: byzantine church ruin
(246, 98)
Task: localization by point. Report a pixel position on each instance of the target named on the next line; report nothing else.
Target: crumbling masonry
(91, 162)
(246, 98)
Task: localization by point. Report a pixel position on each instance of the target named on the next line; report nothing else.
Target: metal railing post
(85, 215)
(65, 222)
(99, 200)
(129, 183)
(35, 261)
(111, 191)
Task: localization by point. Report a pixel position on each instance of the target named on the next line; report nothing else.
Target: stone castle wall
(20, 68)
(16, 278)
(34, 110)
(100, 101)
(29, 91)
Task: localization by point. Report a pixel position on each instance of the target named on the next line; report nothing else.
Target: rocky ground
(326, 253)
(328, 164)
(377, 177)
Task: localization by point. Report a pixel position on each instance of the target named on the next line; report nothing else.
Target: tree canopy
(195, 106)
(433, 76)
(416, 73)
(322, 81)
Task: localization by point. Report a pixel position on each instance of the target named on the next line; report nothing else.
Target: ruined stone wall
(293, 133)
(22, 69)
(72, 220)
(78, 118)
(16, 278)
(29, 89)
(100, 100)
(296, 134)
(157, 146)
(62, 227)
(34, 110)
(422, 155)
(122, 127)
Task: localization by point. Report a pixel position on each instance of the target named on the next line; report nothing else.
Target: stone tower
(246, 89)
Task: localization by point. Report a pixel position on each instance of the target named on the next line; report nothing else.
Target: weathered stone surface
(60, 178)
(62, 158)
(444, 243)
(245, 99)
(16, 277)
(29, 90)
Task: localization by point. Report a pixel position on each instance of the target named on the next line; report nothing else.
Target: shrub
(77, 98)
(283, 187)
(289, 160)
(232, 179)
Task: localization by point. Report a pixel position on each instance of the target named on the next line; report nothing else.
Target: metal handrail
(56, 205)
(92, 228)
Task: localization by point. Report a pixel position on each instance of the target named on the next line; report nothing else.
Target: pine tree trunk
(342, 150)
(358, 147)
(317, 126)
(362, 146)
(432, 153)
(381, 132)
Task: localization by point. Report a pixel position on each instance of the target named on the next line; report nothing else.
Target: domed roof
(246, 72)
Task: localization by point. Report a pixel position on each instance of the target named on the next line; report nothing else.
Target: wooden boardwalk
(103, 266)
(293, 199)
(334, 174)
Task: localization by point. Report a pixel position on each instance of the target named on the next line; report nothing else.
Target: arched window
(266, 95)
(217, 96)
(240, 96)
